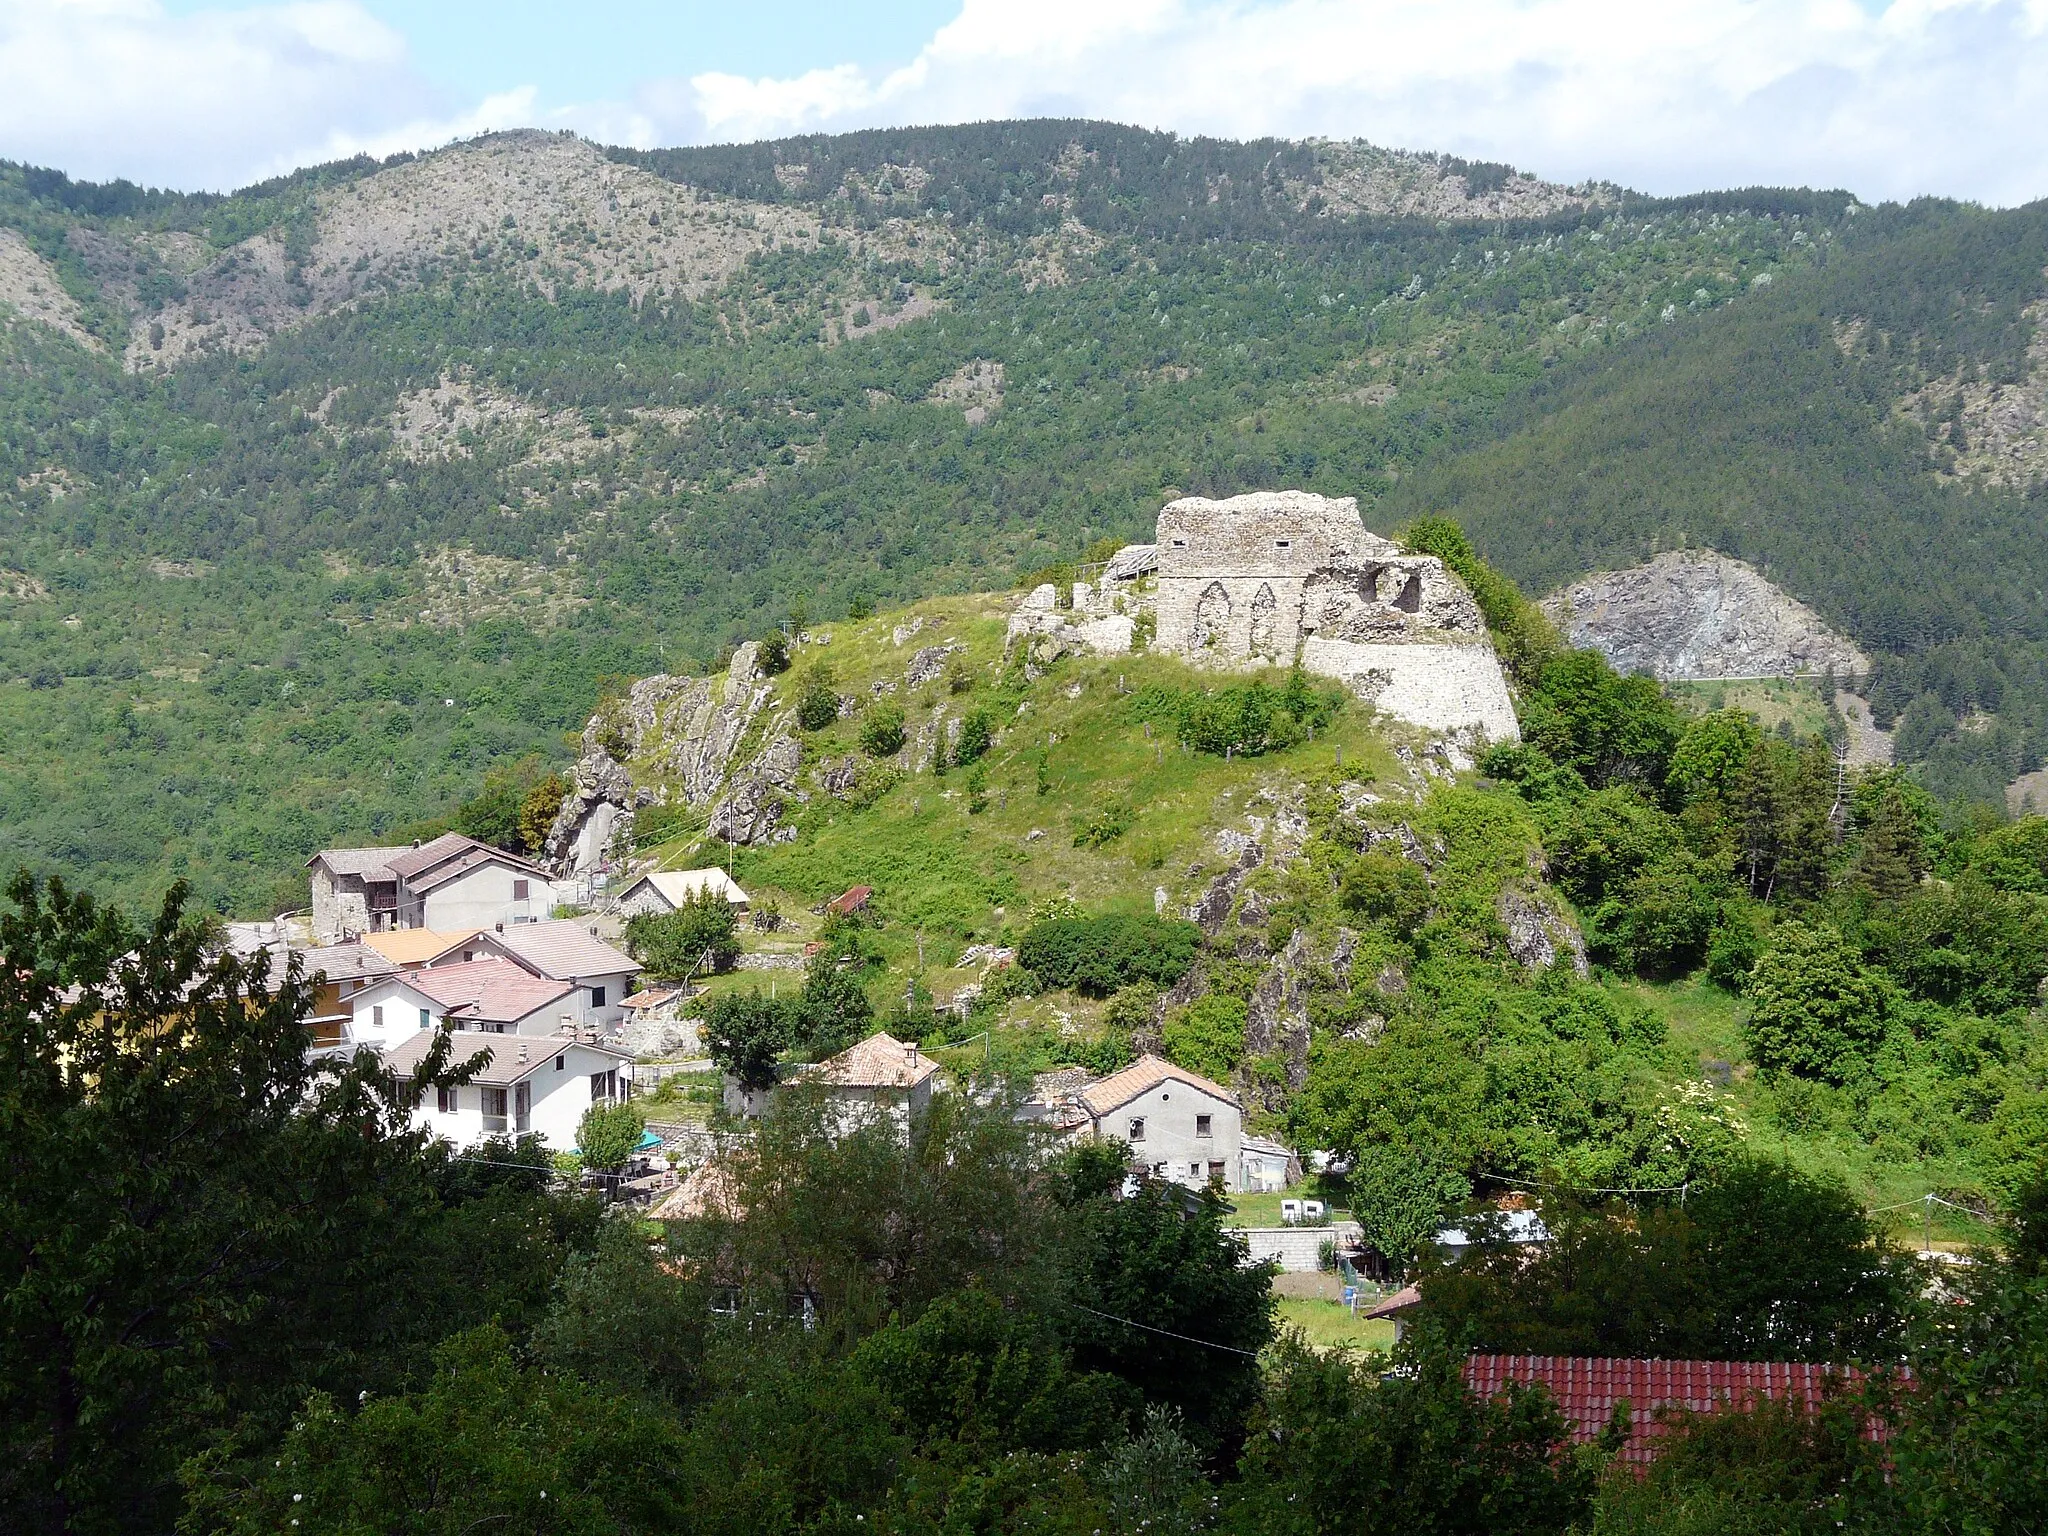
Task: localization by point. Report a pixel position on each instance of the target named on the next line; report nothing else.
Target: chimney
(910, 1053)
(501, 927)
(415, 842)
(522, 1053)
(568, 1026)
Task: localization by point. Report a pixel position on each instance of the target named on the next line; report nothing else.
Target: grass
(1772, 700)
(1330, 1325)
(1263, 1210)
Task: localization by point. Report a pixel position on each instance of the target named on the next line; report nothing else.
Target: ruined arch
(1212, 616)
(1265, 632)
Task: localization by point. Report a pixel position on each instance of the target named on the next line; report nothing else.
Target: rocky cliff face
(1686, 616)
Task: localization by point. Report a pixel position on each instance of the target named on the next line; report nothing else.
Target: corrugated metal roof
(1133, 560)
(490, 991)
(510, 1057)
(1141, 1076)
(563, 949)
(1586, 1389)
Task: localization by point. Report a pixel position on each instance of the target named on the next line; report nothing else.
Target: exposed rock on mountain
(1688, 615)
(31, 286)
(1360, 178)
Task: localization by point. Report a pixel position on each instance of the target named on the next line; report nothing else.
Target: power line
(1585, 1189)
(1249, 1354)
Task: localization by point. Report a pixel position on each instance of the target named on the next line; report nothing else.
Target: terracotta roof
(709, 1190)
(509, 1057)
(488, 991)
(1587, 1389)
(1142, 1075)
(418, 946)
(563, 949)
(679, 885)
(880, 1061)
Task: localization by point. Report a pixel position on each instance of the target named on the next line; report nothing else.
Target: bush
(773, 656)
(699, 933)
(817, 702)
(1207, 1036)
(1385, 888)
(977, 735)
(881, 730)
(1097, 955)
(1104, 825)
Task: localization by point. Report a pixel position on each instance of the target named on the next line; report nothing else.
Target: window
(597, 997)
(522, 1108)
(1194, 1170)
(1137, 1130)
(1216, 1171)
(1283, 543)
(494, 1109)
(559, 1060)
(520, 889)
(604, 1086)
(377, 1017)
(424, 1020)
(1180, 543)
(1202, 1125)
(445, 1100)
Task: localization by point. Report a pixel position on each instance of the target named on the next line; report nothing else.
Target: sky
(1887, 98)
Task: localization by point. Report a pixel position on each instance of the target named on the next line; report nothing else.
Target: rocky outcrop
(1537, 935)
(1690, 615)
(670, 740)
(1276, 1023)
(1212, 910)
(751, 810)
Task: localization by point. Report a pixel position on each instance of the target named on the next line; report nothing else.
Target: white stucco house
(667, 889)
(526, 1085)
(488, 996)
(1269, 1166)
(565, 950)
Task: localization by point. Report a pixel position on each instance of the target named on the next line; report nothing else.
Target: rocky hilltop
(1687, 616)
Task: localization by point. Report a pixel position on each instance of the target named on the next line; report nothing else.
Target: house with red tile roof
(1179, 1125)
(487, 996)
(1588, 1390)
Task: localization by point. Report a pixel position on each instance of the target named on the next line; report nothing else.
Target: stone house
(541, 1087)
(451, 883)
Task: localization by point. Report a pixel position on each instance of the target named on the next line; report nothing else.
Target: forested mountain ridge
(402, 480)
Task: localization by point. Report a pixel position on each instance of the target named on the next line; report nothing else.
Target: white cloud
(1921, 96)
(1925, 96)
(104, 88)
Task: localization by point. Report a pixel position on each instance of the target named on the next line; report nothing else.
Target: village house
(555, 949)
(1180, 1126)
(527, 1085)
(489, 996)
(880, 1076)
(451, 883)
(666, 890)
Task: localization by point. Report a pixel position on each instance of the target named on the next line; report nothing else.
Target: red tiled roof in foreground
(1586, 1390)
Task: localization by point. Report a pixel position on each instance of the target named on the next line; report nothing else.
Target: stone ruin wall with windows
(1279, 577)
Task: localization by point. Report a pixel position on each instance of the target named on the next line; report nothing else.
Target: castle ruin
(1278, 578)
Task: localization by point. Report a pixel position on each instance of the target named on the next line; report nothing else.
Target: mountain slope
(384, 428)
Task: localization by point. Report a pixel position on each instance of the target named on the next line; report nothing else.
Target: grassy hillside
(646, 405)
(1349, 1023)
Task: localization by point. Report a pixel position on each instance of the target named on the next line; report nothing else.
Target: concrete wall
(1298, 1249)
(1170, 1146)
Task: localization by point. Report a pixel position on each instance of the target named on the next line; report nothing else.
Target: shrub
(1104, 825)
(1207, 1036)
(1097, 955)
(977, 735)
(773, 656)
(607, 1136)
(881, 730)
(817, 701)
(1732, 952)
(1385, 888)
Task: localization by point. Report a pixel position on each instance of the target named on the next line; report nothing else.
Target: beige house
(667, 889)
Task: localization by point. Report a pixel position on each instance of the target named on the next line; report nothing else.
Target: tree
(833, 1010)
(485, 1444)
(1336, 1435)
(1163, 1259)
(746, 1033)
(772, 655)
(197, 1222)
(623, 1322)
(1710, 756)
(1815, 1011)
(537, 811)
(1890, 858)
(817, 700)
(701, 934)
(1098, 955)
(498, 813)
(881, 730)
(1207, 1036)
(608, 1136)
(1400, 1196)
